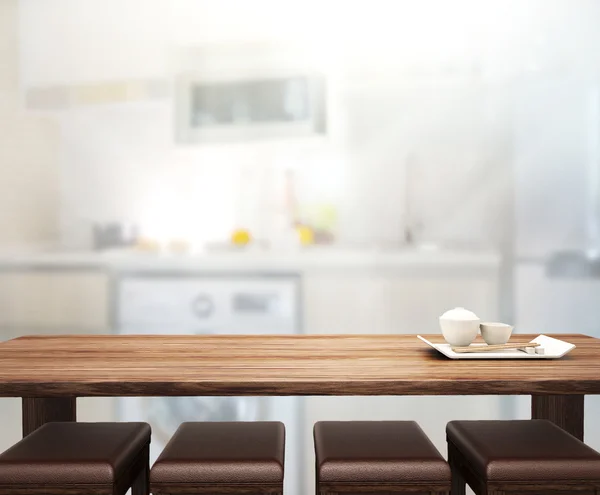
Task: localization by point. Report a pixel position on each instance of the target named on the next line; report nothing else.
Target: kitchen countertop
(50, 372)
(255, 261)
(192, 365)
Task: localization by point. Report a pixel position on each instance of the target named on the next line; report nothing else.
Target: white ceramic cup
(495, 333)
(459, 327)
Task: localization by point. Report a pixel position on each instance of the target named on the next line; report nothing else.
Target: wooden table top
(135, 365)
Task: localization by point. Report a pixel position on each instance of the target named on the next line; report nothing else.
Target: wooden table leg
(39, 410)
(564, 410)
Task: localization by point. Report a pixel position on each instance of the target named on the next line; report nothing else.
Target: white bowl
(459, 326)
(459, 333)
(495, 333)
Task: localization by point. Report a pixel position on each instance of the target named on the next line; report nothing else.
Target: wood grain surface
(39, 411)
(565, 411)
(136, 365)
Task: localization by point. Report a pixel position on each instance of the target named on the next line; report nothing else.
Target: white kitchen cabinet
(53, 301)
(29, 180)
(415, 303)
(396, 300)
(364, 302)
(354, 302)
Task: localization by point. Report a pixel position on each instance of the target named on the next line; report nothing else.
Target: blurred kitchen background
(222, 166)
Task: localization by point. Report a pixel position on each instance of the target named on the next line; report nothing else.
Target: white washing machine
(196, 305)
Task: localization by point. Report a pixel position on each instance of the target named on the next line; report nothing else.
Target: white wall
(9, 54)
(93, 39)
(423, 81)
(28, 152)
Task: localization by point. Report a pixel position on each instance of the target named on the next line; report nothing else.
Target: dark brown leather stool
(221, 457)
(377, 457)
(530, 456)
(78, 458)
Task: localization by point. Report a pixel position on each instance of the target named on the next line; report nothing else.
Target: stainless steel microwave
(249, 108)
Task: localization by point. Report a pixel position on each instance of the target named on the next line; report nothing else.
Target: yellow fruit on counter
(306, 235)
(148, 245)
(240, 237)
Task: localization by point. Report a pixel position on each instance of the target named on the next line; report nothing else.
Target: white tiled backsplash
(119, 163)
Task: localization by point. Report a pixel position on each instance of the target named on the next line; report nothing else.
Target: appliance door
(552, 164)
(556, 174)
(254, 305)
(202, 306)
(546, 304)
(554, 305)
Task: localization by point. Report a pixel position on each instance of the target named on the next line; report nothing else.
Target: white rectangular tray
(553, 349)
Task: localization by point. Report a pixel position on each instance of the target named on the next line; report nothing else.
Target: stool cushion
(529, 450)
(376, 452)
(222, 453)
(73, 453)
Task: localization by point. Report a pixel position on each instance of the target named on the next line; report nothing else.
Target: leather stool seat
(213, 457)
(495, 455)
(395, 456)
(68, 456)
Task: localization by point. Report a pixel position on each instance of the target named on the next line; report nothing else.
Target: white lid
(461, 314)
